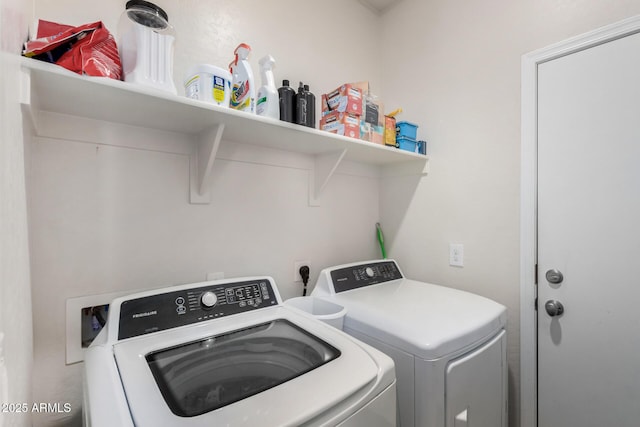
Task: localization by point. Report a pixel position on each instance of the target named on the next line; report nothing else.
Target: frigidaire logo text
(145, 314)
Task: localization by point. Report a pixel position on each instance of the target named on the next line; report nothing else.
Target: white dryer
(449, 346)
(228, 353)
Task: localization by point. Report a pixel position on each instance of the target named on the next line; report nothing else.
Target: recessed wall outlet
(296, 269)
(92, 321)
(456, 255)
(83, 323)
(215, 276)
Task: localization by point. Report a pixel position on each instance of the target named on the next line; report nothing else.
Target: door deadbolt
(554, 276)
(554, 308)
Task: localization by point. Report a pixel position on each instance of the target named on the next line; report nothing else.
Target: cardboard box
(345, 99)
(363, 87)
(390, 131)
(371, 133)
(341, 123)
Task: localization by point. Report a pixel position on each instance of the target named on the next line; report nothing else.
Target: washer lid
(423, 319)
(270, 367)
(213, 372)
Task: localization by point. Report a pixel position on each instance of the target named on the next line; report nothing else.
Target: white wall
(16, 353)
(463, 60)
(100, 213)
(106, 218)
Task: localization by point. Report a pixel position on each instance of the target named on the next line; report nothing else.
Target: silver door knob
(554, 308)
(554, 276)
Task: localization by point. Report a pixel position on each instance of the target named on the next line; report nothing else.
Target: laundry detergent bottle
(232, 70)
(268, 103)
(243, 88)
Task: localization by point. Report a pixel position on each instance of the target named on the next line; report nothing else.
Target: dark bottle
(287, 102)
(301, 106)
(311, 107)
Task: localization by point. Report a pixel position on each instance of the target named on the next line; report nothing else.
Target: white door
(589, 230)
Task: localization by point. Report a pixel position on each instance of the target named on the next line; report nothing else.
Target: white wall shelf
(379, 6)
(49, 88)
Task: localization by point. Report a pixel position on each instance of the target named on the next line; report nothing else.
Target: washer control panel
(172, 309)
(358, 276)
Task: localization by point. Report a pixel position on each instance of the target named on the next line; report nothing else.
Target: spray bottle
(232, 70)
(243, 89)
(268, 104)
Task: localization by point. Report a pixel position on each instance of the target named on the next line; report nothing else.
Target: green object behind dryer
(381, 240)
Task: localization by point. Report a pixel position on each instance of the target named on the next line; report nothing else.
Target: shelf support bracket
(29, 105)
(409, 168)
(324, 166)
(201, 163)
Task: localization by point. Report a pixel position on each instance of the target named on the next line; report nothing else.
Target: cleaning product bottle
(301, 106)
(243, 92)
(311, 107)
(232, 70)
(287, 102)
(267, 103)
(234, 77)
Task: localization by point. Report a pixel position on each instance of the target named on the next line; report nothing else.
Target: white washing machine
(228, 353)
(449, 346)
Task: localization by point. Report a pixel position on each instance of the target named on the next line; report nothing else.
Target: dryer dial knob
(370, 272)
(208, 299)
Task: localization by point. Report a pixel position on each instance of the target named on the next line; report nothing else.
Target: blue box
(422, 147)
(409, 144)
(406, 129)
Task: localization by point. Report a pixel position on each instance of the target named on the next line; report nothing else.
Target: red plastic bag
(88, 49)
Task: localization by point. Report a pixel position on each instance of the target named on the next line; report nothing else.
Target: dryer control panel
(140, 316)
(358, 276)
